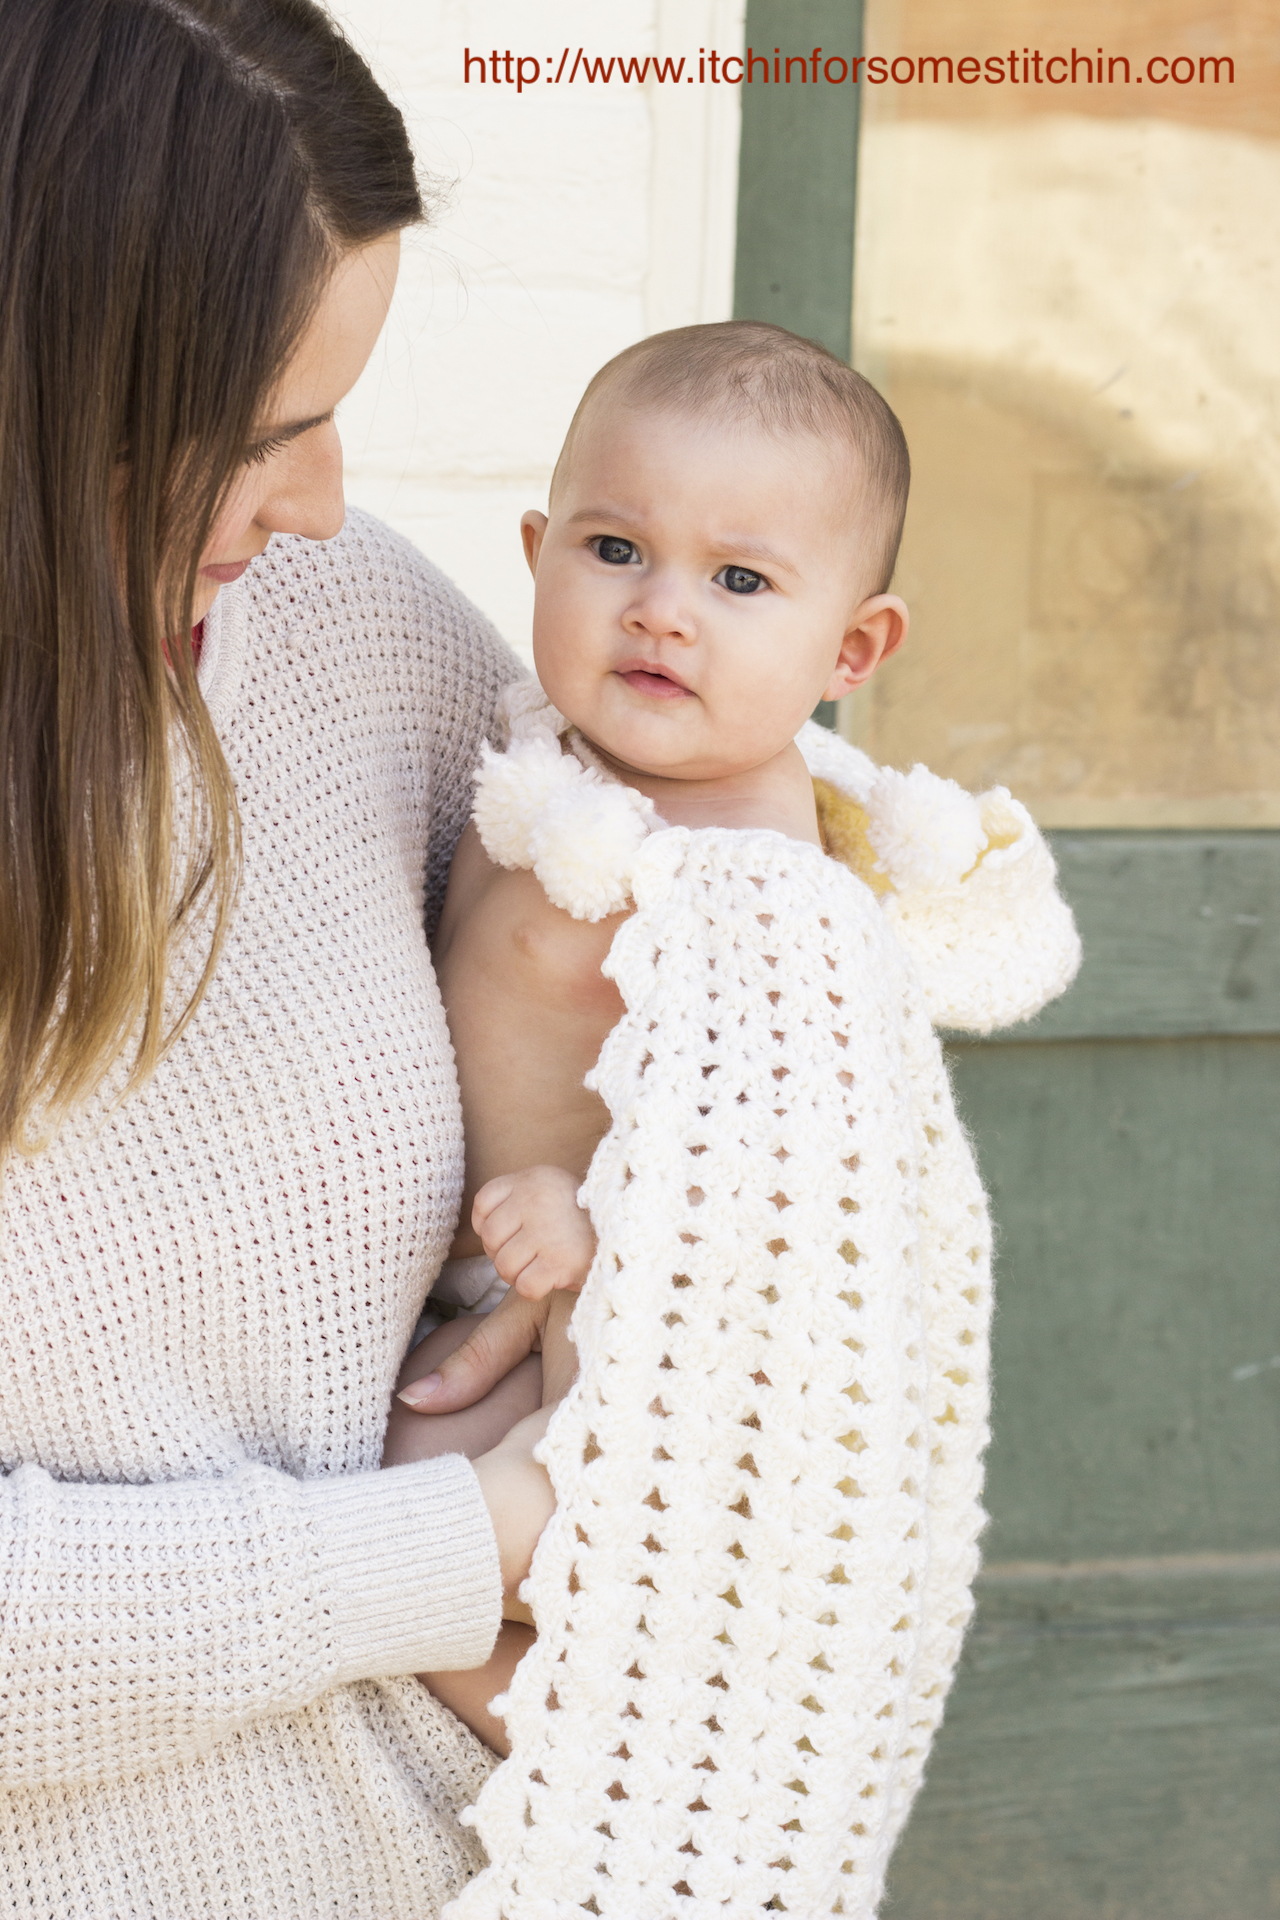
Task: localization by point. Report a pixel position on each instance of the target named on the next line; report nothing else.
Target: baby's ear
(877, 628)
(533, 526)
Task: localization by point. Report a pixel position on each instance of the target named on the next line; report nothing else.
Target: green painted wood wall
(797, 183)
(797, 176)
(1112, 1746)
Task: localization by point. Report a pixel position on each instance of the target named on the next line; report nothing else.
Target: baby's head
(723, 524)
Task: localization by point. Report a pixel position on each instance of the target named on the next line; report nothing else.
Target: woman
(229, 1136)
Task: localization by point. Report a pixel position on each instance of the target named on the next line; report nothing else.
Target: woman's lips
(641, 680)
(224, 574)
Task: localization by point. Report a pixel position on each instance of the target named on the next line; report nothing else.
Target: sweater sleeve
(457, 666)
(469, 666)
(140, 1625)
(443, 664)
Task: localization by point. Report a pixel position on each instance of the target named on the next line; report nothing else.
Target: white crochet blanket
(751, 1597)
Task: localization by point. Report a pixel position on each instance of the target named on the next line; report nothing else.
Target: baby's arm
(559, 1356)
(541, 1243)
(468, 1693)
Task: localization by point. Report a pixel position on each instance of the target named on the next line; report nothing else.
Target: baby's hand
(534, 1231)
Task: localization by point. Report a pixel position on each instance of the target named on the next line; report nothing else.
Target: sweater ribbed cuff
(410, 1568)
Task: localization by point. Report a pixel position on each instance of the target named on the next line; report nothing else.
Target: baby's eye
(614, 552)
(741, 580)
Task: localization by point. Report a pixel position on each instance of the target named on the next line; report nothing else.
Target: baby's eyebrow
(605, 510)
(734, 546)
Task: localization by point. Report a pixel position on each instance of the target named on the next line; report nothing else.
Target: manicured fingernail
(419, 1391)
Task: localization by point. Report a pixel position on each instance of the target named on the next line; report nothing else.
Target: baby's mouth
(655, 681)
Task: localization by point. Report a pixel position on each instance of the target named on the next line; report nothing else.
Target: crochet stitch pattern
(751, 1598)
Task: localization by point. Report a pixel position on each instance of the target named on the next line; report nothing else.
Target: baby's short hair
(747, 370)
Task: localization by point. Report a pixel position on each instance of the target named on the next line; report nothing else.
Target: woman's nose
(306, 495)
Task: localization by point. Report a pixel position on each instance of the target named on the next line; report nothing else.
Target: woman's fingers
(500, 1342)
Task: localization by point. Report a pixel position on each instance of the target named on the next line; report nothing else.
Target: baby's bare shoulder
(472, 868)
(500, 918)
(473, 876)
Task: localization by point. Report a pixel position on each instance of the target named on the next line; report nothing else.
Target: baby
(723, 524)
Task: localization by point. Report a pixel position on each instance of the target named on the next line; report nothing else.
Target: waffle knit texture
(210, 1599)
(751, 1598)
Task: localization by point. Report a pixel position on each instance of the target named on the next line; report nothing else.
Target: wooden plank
(1181, 933)
(1113, 1743)
(797, 174)
(1137, 1403)
(1158, 1590)
(1114, 1764)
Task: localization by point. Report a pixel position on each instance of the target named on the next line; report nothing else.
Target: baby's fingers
(551, 1270)
(520, 1262)
(499, 1231)
(490, 1195)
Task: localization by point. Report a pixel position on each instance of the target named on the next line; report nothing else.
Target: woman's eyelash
(264, 450)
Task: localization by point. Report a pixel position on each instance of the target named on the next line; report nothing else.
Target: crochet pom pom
(583, 844)
(527, 714)
(926, 831)
(511, 791)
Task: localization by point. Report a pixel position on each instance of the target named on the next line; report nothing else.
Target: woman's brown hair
(177, 178)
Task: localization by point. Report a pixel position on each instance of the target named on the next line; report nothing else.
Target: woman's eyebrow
(293, 429)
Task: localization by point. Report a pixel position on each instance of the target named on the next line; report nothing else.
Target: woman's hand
(540, 1242)
(500, 1342)
(471, 1430)
(517, 1492)
(532, 1228)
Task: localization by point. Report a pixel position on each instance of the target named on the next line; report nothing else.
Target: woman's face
(291, 481)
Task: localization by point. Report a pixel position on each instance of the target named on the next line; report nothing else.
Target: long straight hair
(177, 180)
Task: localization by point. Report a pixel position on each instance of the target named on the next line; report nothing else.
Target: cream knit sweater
(204, 1580)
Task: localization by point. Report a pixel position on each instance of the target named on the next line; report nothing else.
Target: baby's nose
(663, 610)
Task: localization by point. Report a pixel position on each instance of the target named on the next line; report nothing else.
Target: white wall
(579, 219)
